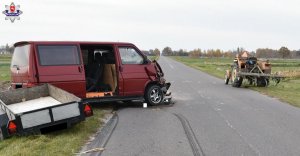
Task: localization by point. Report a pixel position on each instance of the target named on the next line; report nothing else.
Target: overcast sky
(187, 24)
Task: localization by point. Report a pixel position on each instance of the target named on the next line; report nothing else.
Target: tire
(127, 101)
(262, 82)
(236, 80)
(1, 135)
(154, 95)
(226, 80)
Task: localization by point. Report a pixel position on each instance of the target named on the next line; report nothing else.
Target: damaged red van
(94, 71)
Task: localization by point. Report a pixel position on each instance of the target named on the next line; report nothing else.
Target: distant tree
(196, 53)
(284, 52)
(11, 49)
(156, 52)
(182, 52)
(217, 53)
(151, 52)
(167, 51)
(298, 53)
(6, 47)
(266, 53)
(209, 53)
(240, 49)
(145, 52)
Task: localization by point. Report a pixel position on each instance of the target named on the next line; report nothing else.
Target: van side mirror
(146, 61)
(16, 66)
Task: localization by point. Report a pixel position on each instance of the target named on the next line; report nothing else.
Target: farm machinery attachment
(257, 72)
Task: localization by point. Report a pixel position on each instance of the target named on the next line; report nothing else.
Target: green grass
(59, 143)
(4, 68)
(153, 57)
(287, 90)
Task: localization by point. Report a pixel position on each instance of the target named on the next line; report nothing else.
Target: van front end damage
(164, 85)
(167, 95)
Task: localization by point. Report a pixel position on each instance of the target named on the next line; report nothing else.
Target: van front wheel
(154, 95)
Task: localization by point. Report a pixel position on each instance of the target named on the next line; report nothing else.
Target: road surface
(209, 118)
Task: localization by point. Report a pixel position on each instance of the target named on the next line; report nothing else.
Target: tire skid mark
(104, 136)
(194, 143)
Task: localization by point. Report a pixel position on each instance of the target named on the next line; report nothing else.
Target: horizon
(153, 24)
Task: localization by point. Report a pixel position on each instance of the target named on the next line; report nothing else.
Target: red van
(95, 71)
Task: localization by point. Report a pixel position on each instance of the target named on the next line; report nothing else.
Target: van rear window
(55, 55)
(21, 56)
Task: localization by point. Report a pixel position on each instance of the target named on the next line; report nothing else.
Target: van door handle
(80, 69)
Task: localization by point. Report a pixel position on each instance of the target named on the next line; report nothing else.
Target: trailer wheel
(262, 82)
(154, 95)
(226, 79)
(1, 135)
(236, 80)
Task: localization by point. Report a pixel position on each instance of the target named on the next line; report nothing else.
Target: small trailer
(29, 110)
(257, 72)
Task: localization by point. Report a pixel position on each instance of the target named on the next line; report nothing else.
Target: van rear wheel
(154, 95)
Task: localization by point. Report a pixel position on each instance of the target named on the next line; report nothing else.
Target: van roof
(70, 42)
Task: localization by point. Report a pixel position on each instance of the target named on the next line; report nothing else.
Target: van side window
(55, 55)
(130, 56)
(21, 56)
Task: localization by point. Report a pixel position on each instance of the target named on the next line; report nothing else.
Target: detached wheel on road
(154, 95)
(236, 80)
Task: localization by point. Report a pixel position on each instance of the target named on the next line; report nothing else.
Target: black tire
(236, 80)
(1, 135)
(154, 95)
(226, 80)
(262, 82)
(127, 101)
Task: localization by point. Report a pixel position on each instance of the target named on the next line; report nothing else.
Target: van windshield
(55, 55)
(21, 56)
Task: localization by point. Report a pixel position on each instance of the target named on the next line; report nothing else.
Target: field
(4, 68)
(287, 90)
(63, 142)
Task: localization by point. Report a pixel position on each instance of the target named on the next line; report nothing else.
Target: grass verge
(4, 68)
(153, 57)
(59, 143)
(287, 90)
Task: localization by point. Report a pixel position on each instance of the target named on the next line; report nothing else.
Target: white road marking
(242, 137)
(171, 66)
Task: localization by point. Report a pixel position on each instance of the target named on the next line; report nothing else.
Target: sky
(186, 24)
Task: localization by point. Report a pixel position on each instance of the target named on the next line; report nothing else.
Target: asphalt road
(209, 118)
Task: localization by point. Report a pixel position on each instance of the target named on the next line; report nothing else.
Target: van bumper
(167, 95)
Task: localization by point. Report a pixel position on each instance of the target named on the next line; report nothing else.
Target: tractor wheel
(236, 80)
(262, 82)
(154, 95)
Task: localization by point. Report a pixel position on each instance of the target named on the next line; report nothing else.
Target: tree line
(6, 49)
(283, 52)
